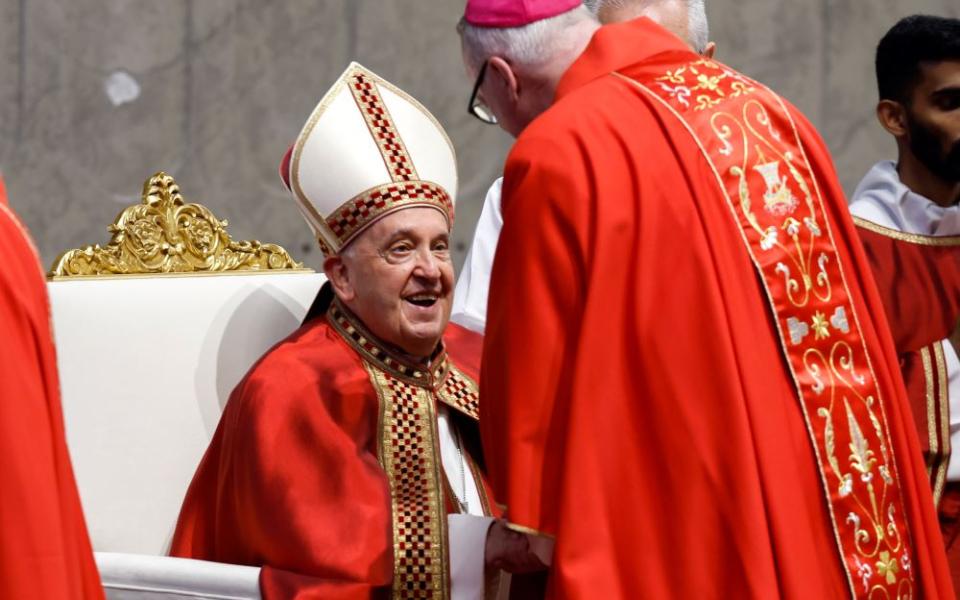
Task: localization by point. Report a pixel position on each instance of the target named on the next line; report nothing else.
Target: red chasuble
(682, 378)
(325, 468)
(44, 549)
(919, 281)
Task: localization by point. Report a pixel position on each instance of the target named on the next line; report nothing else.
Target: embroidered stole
(409, 451)
(752, 145)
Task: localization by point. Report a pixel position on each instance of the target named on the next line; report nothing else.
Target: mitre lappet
(368, 149)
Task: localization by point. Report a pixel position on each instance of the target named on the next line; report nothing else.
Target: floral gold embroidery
(821, 330)
(751, 142)
(887, 567)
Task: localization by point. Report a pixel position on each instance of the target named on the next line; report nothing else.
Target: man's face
(397, 277)
(933, 119)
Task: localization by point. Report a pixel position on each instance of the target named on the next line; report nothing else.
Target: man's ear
(893, 117)
(335, 268)
(710, 50)
(503, 78)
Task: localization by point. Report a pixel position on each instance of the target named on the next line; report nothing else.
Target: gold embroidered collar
(430, 375)
(452, 386)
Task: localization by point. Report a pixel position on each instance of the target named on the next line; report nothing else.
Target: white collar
(883, 199)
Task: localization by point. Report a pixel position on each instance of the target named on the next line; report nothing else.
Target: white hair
(526, 46)
(698, 29)
(593, 5)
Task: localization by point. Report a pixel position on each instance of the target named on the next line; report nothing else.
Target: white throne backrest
(153, 332)
(146, 367)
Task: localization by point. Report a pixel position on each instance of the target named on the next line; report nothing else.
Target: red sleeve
(44, 548)
(291, 482)
(535, 290)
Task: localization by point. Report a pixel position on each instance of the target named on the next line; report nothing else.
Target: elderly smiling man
(346, 462)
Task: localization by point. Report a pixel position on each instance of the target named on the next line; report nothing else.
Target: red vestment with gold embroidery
(683, 382)
(325, 468)
(44, 548)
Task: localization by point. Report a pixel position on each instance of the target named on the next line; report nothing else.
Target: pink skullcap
(514, 13)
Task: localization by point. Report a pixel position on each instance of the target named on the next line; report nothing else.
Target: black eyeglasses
(477, 107)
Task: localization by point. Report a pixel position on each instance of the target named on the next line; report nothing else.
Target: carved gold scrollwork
(164, 235)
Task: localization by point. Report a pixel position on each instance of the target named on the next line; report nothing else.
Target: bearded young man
(909, 220)
(714, 411)
(347, 462)
(687, 19)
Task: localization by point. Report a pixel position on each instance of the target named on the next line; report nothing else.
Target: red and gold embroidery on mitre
(367, 150)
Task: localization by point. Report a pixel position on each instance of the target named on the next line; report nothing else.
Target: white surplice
(473, 285)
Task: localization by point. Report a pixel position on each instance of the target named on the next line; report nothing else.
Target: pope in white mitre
(347, 462)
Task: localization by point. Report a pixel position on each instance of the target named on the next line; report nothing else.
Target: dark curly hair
(910, 43)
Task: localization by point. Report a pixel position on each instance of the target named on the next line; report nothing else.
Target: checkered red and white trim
(368, 150)
(409, 452)
(355, 215)
(378, 119)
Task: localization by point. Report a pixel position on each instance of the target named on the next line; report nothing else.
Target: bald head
(687, 19)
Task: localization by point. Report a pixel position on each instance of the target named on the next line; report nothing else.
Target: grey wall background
(97, 95)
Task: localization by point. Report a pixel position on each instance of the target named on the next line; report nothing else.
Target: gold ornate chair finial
(164, 235)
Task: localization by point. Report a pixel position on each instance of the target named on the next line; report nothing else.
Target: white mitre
(367, 150)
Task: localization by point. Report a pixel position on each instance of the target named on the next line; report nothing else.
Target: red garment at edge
(638, 392)
(45, 553)
(292, 481)
(919, 281)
